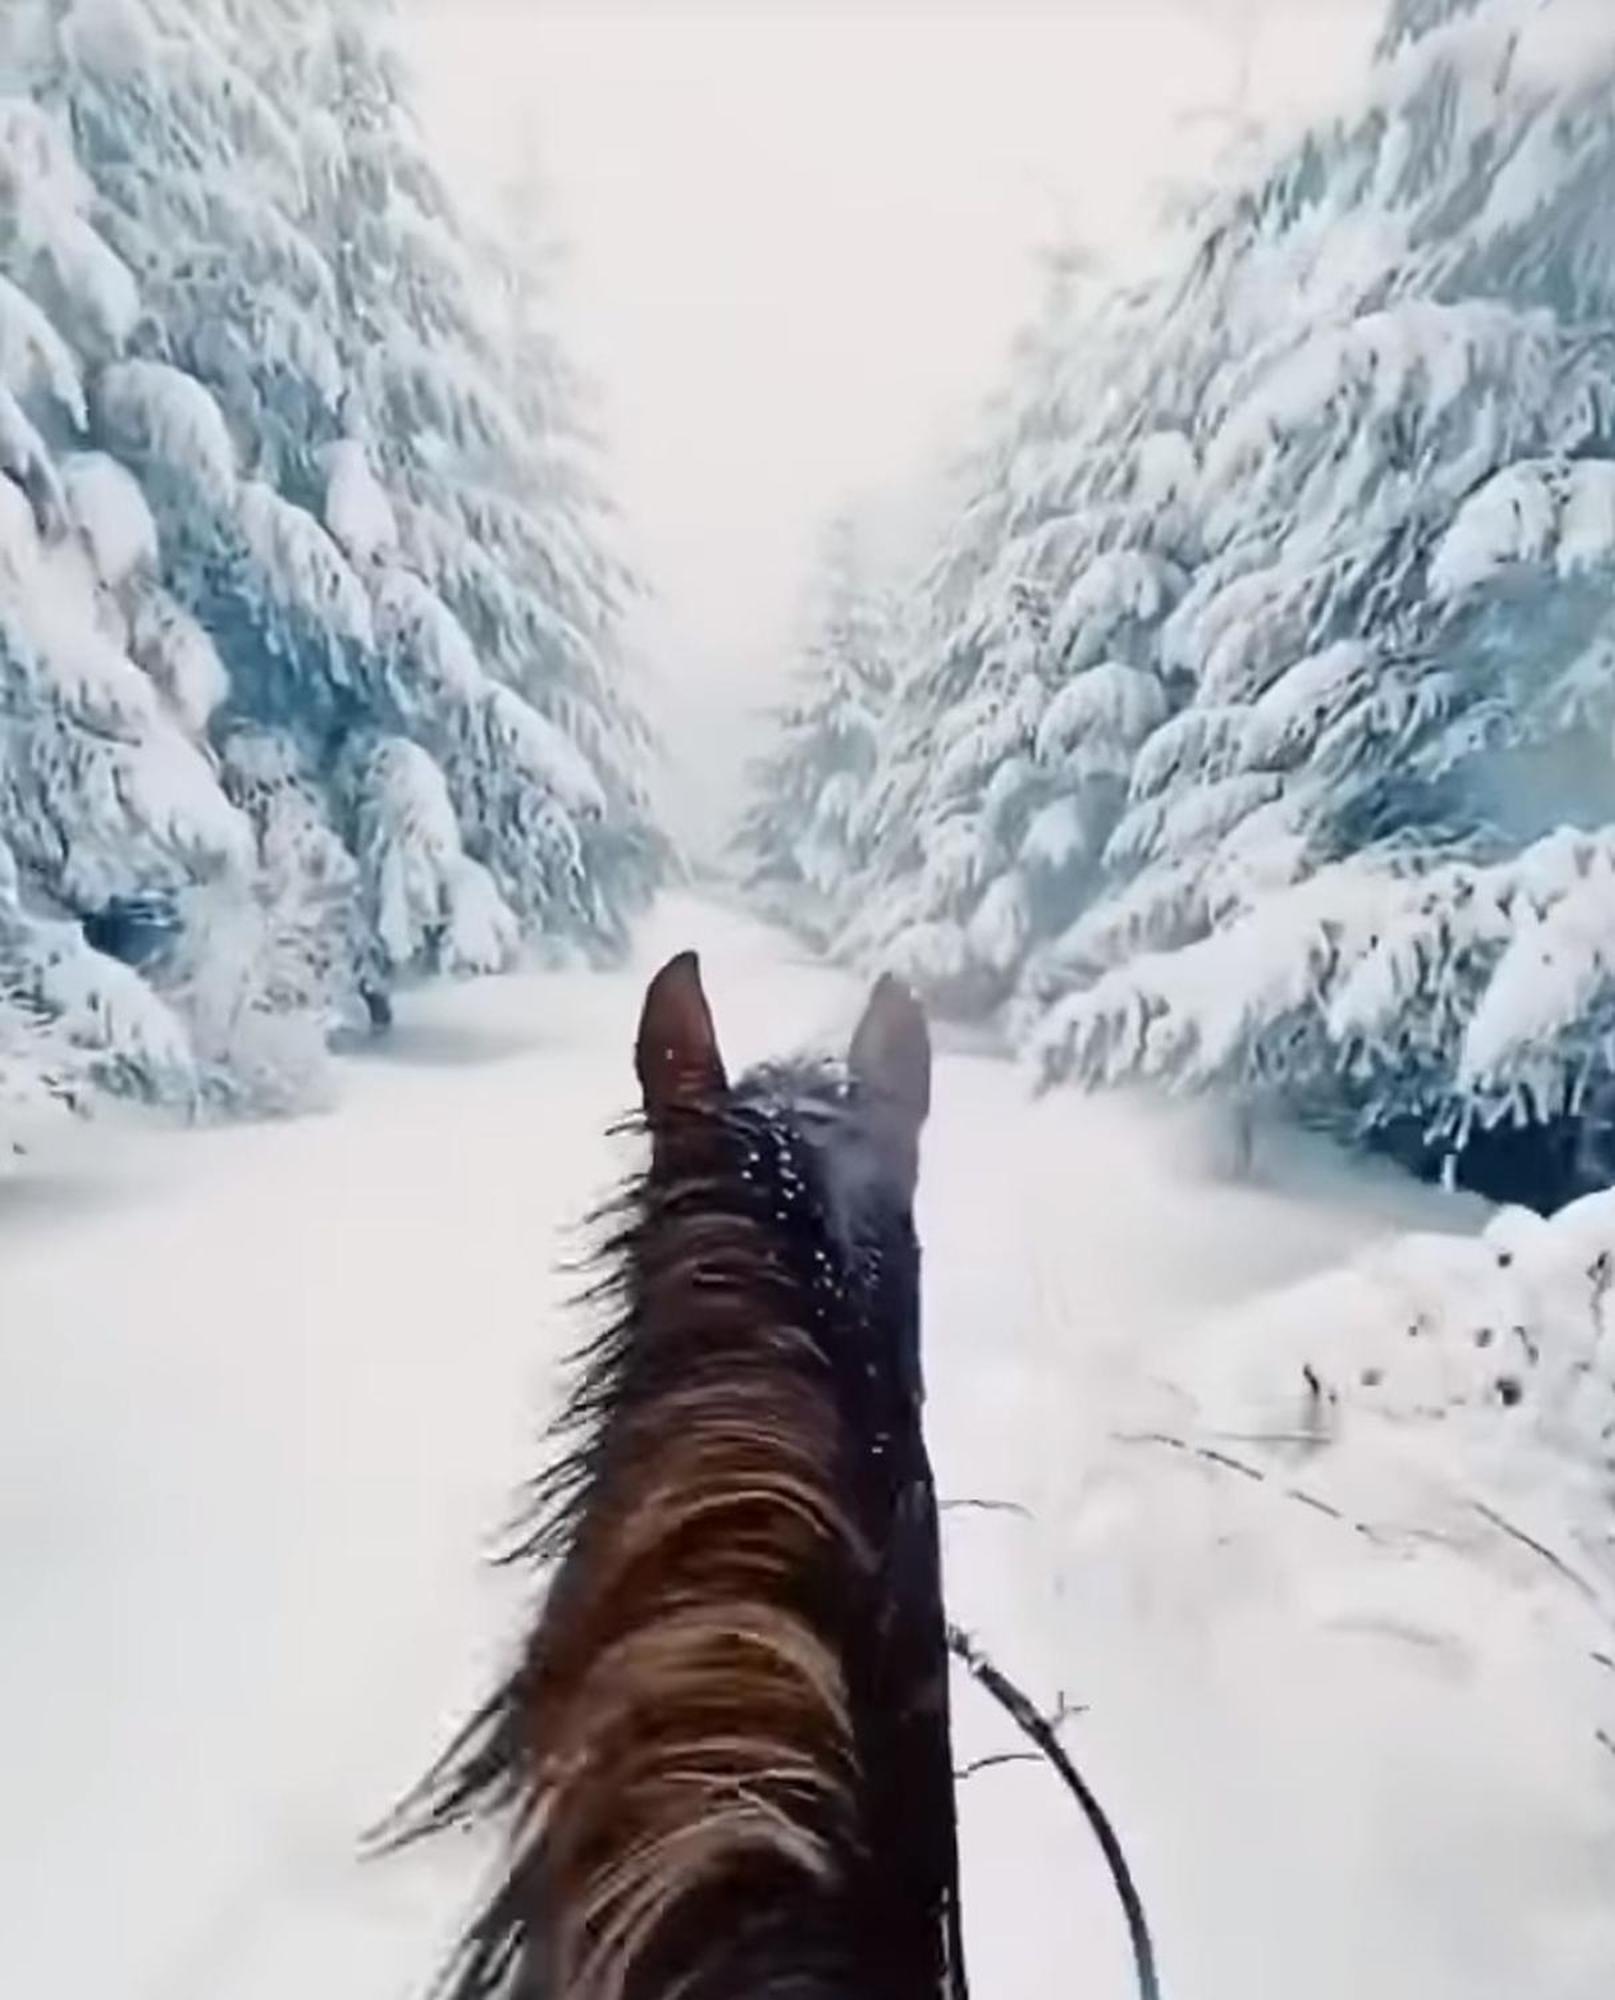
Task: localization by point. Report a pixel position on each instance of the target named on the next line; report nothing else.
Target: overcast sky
(803, 236)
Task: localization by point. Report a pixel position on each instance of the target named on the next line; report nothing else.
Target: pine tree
(471, 418)
(800, 843)
(1397, 637)
(1270, 646)
(1036, 671)
(283, 564)
(41, 1067)
(584, 685)
(356, 337)
(110, 805)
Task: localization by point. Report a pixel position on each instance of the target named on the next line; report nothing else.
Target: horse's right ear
(676, 1053)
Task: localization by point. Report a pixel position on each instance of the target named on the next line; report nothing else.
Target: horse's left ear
(890, 1059)
(676, 1053)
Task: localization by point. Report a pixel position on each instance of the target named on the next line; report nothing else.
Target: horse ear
(891, 1059)
(676, 1054)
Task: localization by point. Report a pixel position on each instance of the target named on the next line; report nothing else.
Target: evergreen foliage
(309, 671)
(1255, 733)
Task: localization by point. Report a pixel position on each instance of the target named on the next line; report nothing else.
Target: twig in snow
(1604, 1660)
(991, 1763)
(1539, 1548)
(1225, 1463)
(1222, 1458)
(1038, 1728)
(1606, 1739)
(1171, 1443)
(1268, 1437)
(1601, 1274)
(987, 1507)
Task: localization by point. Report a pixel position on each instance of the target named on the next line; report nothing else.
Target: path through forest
(265, 1395)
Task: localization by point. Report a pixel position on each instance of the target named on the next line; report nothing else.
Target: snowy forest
(1248, 729)
(555, 557)
(309, 603)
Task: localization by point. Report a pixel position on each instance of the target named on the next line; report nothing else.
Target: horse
(722, 1756)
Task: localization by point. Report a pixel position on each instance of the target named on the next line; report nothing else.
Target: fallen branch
(1044, 1733)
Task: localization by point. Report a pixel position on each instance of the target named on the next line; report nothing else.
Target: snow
(1110, 708)
(957, 861)
(429, 897)
(928, 954)
(98, 777)
(26, 462)
(1553, 980)
(106, 504)
(257, 1032)
(1194, 822)
(1510, 520)
(116, 38)
(1288, 719)
(1525, 184)
(34, 355)
(1165, 469)
(1055, 836)
(419, 389)
(1115, 587)
(302, 567)
(38, 1064)
(87, 674)
(1204, 738)
(357, 510)
(93, 280)
(1568, 48)
(157, 412)
(1587, 517)
(998, 932)
(266, 1393)
(418, 630)
(33, 1076)
(103, 1007)
(169, 645)
(530, 743)
(1161, 905)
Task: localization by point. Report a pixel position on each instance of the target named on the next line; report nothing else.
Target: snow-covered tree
(474, 420)
(110, 805)
(71, 1015)
(1278, 611)
(40, 1068)
(802, 839)
(1397, 638)
(574, 563)
(269, 506)
(1035, 672)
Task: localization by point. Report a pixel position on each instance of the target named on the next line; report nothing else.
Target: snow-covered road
(265, 1395)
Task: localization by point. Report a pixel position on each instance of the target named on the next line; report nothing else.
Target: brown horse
(722, 1758)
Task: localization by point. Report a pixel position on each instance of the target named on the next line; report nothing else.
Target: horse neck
(739, 1718)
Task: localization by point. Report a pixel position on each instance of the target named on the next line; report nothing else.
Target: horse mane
(721, 1754)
